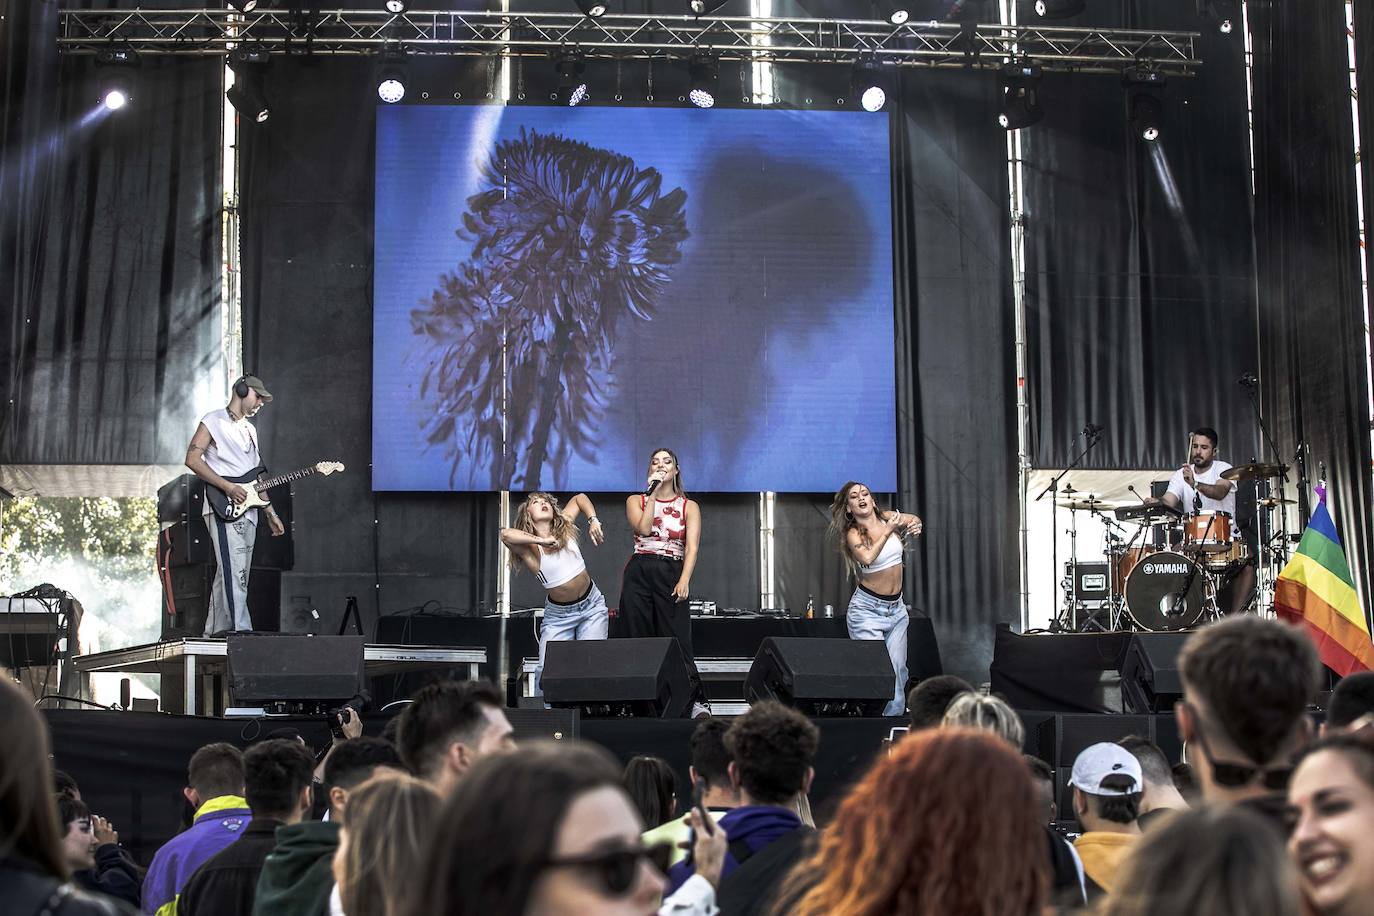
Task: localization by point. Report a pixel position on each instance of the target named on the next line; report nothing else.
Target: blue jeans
(585, 619)
(871, 617)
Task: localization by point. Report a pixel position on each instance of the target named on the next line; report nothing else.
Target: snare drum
(1238, 554)
(1166, 591)
(1207, 532)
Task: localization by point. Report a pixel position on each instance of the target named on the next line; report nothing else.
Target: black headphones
(241, 387)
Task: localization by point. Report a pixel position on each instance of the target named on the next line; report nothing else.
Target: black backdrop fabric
(109, 254)
(1139, 269)
(1311, 314)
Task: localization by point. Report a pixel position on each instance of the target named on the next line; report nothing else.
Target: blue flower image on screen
(560, 291)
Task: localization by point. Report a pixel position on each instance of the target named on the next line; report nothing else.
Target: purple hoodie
(219, 822)
(755, 825)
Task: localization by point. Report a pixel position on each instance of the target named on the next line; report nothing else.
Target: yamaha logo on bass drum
(1160, 569)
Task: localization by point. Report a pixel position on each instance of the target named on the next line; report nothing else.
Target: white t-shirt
(1184, 493)
(233, 449)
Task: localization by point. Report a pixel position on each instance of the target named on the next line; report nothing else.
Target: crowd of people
(1271, 813)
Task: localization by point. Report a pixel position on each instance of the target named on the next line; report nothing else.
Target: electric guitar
(231, 511)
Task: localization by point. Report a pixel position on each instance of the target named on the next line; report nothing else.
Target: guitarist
(226, 445)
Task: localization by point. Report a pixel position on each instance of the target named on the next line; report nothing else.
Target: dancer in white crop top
(543, 540)
(871, 541)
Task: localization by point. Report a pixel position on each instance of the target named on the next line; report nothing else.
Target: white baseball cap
(1105, 759)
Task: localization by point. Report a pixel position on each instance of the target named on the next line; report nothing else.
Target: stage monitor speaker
(647, 677)
(822, 676)
(281, 668)
(1149, 673)
(1068, 734)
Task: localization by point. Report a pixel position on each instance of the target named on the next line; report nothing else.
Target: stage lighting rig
(247, 95)
(704, 71)
(395, 7)
(243, 6)
(1059, 9)
(116, 66)
(592, 9)
(1020, 95)
(1144, 106)
(572, 85)
(391, 76)
(869, 84)
(1223, 15)
(899, 16)
(702, 7)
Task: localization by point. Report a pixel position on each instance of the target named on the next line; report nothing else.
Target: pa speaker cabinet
(1068, 734)
(1150, 680)
(277, 667)
(819, 676)
(649, 676)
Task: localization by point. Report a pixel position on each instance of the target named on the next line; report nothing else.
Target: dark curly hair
(773, 747)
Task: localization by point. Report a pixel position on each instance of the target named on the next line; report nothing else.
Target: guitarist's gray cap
(252, 381)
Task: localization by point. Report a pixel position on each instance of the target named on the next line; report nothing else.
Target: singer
(870, 539)
(658, 578)
(544, 541)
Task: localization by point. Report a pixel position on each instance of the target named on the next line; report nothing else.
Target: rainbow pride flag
(1315, 589)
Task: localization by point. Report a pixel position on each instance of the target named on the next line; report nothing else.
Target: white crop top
(561, 566)
(888, 557)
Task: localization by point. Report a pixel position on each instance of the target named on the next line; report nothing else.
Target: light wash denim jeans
(870, 617)
(585, 619)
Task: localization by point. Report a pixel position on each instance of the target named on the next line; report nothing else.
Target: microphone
(649, 490)
(1248, 380)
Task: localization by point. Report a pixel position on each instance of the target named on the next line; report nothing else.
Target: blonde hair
(561, 530)
(391, 822)
(990, 714)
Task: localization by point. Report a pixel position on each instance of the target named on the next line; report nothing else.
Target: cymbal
(1271, 501)
(1253, 471)
(1089, 504)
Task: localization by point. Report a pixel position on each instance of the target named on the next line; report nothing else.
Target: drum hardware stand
(1093, 436)
(1114, 553)
(1266, 560)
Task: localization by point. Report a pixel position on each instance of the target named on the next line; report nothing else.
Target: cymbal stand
(1114, 554)
(1093, 436)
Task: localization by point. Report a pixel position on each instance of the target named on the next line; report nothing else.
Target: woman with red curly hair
(946, 824)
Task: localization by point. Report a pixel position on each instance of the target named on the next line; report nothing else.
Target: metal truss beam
(774, 40)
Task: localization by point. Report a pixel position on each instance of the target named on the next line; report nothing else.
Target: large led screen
(560, 291)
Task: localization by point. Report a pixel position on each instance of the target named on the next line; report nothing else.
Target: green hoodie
(297, 877)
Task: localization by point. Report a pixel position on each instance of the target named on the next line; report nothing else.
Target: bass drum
(1166, 591)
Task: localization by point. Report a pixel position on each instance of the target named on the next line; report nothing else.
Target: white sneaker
(701, 711)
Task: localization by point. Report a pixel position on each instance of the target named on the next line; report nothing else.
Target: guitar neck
(280, 479)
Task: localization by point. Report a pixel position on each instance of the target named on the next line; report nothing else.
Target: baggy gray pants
(233, 542)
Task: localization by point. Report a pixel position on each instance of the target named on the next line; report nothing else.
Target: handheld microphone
(649, 490)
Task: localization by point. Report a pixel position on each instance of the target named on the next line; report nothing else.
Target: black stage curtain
(109, 253)
(1311, 314)
(1139, 271)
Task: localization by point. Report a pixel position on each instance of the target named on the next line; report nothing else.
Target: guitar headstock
(328, 467)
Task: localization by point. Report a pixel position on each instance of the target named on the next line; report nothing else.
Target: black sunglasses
(1233, 775)
(615, 869)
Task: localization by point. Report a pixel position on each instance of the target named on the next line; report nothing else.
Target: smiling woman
(1332, 807)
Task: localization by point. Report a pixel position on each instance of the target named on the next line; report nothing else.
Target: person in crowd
(544, 541)
(278, 776)
(657, 582)
(870, 539)
(448, 727)
(1221, 860)
(1042, 777)
(928, 700)
(297, 875)
(1247, 683)
(1159, 798)
(391, 818)
(221, 816)
(945, 824)
(772, 749)
(97, 862)
(1106, 785)
(33, 866)
(64, 784)
(547, 830)
(710, 777)
(1331, 816)
(1351, 701)
(1068, 885)
(974, 710)
(1186, 783)
(652, 786)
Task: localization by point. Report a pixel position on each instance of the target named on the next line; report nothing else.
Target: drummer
(1199, 487)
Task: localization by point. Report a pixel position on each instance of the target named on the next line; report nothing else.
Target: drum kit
(1168, 573)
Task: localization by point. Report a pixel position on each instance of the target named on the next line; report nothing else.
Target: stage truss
(627, 37)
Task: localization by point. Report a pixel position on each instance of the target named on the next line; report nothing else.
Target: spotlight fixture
(116, 66)
(703, 70)
(1020, 95)
(1144, 106)
(247, 95)
(899, 16)
(1059, 9)
(395, 7)
(243, 6)
(702, 7)
(571, 84)
(868, 83)
(593, 9)
(391, 76)
(1220, 14)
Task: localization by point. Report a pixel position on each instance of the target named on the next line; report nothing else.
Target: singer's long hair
(841, 521)
(677, 468)
(561, 530)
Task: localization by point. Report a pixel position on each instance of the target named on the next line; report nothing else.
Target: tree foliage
(116, 537)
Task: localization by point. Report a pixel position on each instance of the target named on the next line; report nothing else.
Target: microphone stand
(1266, 548)
(1057, 623)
